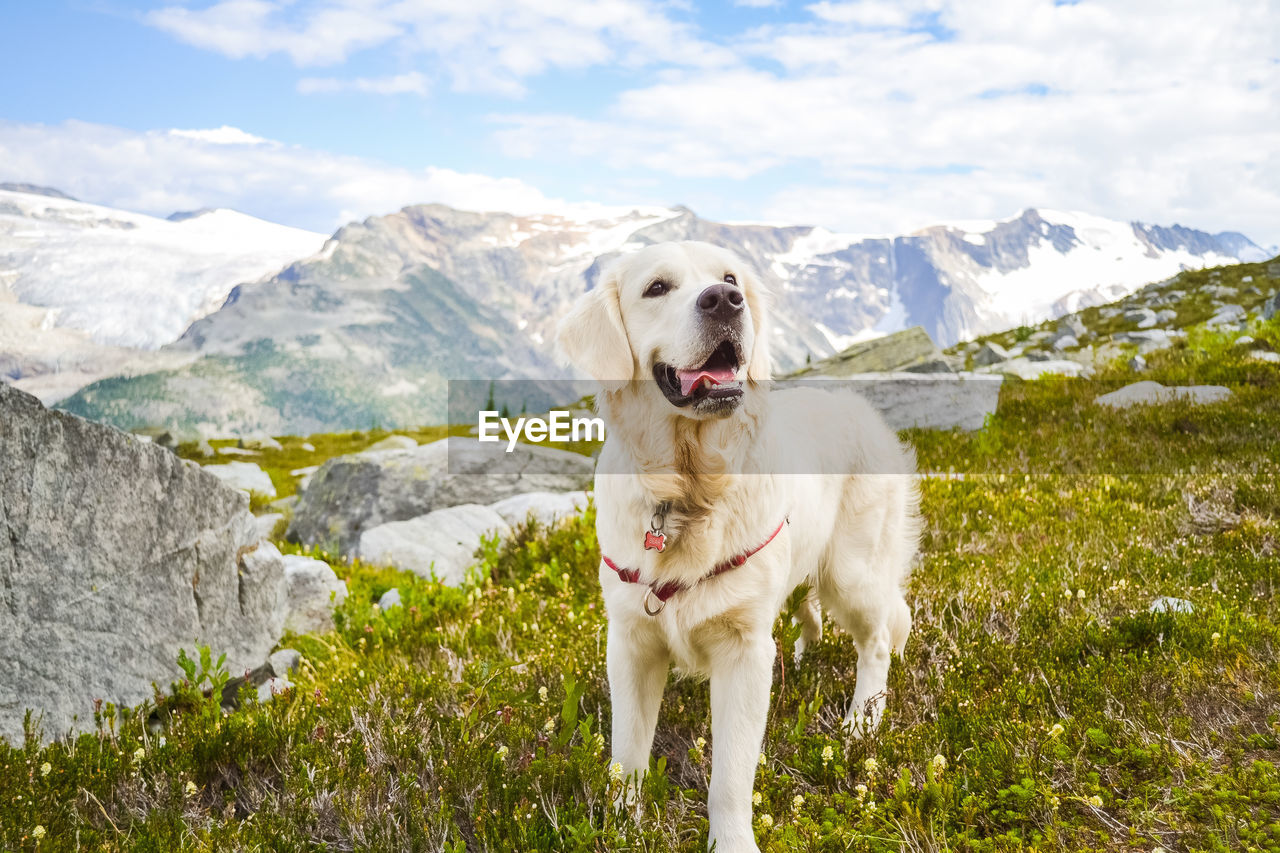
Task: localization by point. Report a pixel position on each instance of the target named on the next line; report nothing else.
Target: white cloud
(412, 83)
(224, 135)
(479, 45)
(1161, 110)
(158, 172)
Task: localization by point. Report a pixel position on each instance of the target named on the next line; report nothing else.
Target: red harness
(664, 591)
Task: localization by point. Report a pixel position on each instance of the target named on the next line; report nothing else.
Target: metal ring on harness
(661, 604)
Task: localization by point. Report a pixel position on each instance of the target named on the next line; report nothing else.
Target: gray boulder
(1137, 364)
(1271, 307)
(1168, 604)
(991, 353)
(1065, 342)
(392, 442)
(313, 592)
(1227, 315)
(350, 494)
(1143, 318)
(115, 554)
(1071, 325)
(245, 476)
(389, 599)
(441, 543)
(1148, 392)
(546, 507)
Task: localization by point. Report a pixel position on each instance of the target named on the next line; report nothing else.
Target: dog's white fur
(826, 461)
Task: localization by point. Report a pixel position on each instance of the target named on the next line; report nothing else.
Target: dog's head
(688, 317)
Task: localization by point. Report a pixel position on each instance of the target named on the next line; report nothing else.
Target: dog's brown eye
(658, 287)
(730, 278)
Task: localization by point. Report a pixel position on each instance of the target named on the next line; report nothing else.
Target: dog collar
(664, 591)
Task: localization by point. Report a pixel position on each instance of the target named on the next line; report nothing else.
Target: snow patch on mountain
(130, 280)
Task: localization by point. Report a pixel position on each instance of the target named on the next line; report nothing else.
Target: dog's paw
(733, 842)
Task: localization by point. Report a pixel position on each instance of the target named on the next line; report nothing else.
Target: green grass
(1068, 716)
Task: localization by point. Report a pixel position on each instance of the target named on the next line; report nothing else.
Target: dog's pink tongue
(690, 379)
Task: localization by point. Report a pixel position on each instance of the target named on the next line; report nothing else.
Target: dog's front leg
(637, 666)
(740, 681)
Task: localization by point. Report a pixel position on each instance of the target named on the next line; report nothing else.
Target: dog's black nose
(720, 301)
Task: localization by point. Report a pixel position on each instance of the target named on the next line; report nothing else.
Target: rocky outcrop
(1148, 392)
(115, 554)
(440, 544)
(351, 494)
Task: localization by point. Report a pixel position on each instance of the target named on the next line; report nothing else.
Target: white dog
(717, 498)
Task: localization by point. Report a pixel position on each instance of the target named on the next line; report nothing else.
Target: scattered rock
(1265, 355)
(266, 523)
(308, 446)
(350, 494)
(260, 441)
(1144, 318)
(1246, 279)
(115, 555)
(933, 401)
(273, 687)
(900, 351)
(392, 442)
(1244, 340)
(1167, 604)
(1166, 316)
(1038, 355)
(389, 599)
(284, 662)
(1066, 342)
(442, 543)
(1025, 368)
(245, 476)
(1142, 393)
(546, 507)
(237, 451)
(1072, 325)
(312, 591)
(1137, 364)
(1149, 340)
(991, 353)
(1271, 307)
(204, 449)
(1228, 315)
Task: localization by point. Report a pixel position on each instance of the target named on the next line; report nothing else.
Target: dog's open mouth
(715, 379)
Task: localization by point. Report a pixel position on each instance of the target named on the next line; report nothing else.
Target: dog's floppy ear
(591, 336)
(759, 300)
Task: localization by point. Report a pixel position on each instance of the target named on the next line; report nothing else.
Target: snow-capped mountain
(369, 329)
(129, 280)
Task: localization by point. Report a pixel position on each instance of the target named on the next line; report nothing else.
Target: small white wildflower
(761, 762)
(38, 832)
(1080, 594)
(1056, 730)
(502, 752)
(139, 754)
(861, 791)
(700, 744)
(871, 765)
(550, 727)
(1053, 802)
(191, 789)
(871, 806)
(1095, 801)
(1216, 637)
(939, 763)
(46, 769)
(827, 754)
(1067, 593)
(757, 798)
(797, 802)
(615, 771)
(542, 694)
(766, 820)
(597, 743)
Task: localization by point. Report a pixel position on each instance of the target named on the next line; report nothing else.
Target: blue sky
(861, 115)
